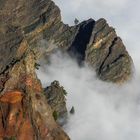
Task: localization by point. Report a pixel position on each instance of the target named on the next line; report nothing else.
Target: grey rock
(56, 97)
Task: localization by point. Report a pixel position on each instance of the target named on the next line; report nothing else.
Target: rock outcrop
(56, 97)
(107, 54)
(96, 43)
(24, 111)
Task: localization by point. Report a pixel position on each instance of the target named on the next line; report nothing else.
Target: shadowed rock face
(24, 111)
(81, 40)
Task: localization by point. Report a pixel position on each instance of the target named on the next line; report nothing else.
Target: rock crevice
(81, 40)
(25, 113)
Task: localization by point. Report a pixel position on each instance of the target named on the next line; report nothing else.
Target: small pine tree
(76, 21)
(37, 66)
(64, 91)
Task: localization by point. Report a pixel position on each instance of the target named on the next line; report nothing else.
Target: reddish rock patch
(11, 97)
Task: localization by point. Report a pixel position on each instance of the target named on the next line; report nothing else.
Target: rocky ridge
(24, 110)
(56, 97)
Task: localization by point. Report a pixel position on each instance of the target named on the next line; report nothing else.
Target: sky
(123, 15)
(103, 111)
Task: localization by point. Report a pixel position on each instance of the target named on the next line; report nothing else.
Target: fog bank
(103, 111)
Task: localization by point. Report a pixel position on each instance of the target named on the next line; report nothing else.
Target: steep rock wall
(24, 111)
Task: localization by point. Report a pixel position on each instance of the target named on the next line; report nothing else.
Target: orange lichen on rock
(29, 81)
(13, 119)
(37, 88)
(26, 131)
(11, 97)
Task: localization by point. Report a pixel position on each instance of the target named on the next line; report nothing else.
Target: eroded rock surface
(56, 97)
(24, 111)
(107, 54)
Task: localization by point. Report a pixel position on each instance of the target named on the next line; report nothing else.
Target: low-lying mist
(103, 111)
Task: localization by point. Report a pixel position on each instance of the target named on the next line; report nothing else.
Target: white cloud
(103, 111)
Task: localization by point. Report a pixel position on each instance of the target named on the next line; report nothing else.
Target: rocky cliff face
(24, 111)
(107, 54)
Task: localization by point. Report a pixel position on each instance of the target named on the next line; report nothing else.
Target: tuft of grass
(55, 115)
(37, 66)
(13, 138)
(64, 91)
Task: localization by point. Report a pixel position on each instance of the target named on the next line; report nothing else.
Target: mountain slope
(24, 111)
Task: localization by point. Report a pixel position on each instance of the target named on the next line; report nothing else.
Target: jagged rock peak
(107, 54)
(24, 111)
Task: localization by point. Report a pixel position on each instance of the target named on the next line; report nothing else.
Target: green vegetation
(64, 91)
(37, 66)
(11, 138)
(55, 115)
